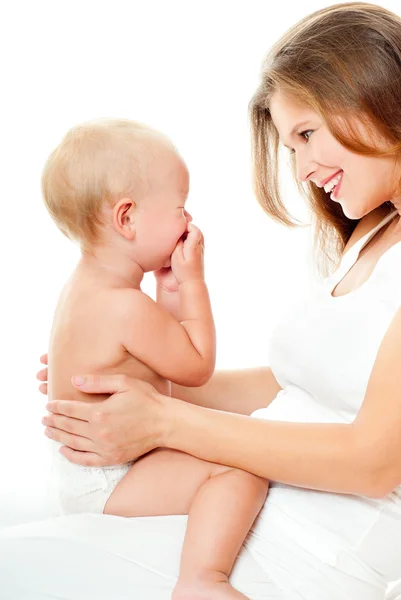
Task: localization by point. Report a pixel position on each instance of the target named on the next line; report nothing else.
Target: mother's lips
(324, 181)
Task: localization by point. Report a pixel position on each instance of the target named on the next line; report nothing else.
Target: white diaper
(76, 489)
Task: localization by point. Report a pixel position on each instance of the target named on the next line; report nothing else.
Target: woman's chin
(353, 215)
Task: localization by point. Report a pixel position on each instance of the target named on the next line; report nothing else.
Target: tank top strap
(360, 244)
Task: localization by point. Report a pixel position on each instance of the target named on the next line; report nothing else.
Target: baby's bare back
(86, 338)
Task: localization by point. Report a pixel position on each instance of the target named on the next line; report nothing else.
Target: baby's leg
(222, 504)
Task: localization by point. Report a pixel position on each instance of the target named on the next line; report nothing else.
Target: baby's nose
(188, 216)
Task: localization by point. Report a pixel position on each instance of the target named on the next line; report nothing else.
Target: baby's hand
(166, 280)
(187, 258)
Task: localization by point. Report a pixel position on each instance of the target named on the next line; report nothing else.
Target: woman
(326, 426)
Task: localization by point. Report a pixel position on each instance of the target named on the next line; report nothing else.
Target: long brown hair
(344, 60)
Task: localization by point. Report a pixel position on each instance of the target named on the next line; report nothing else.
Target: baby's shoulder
(130, 295)
(129, 301)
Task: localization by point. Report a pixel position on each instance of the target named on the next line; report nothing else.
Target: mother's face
(366, 180)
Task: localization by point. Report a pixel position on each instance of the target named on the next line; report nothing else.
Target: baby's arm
(167, 291)
(182, 351)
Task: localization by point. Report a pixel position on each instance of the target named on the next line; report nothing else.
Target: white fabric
(322, 354)
(85, 556)
(102, 557)
(305, 544)
(76, 489)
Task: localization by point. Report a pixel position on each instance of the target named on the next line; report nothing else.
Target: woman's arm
(237, 391)
(363, 457)
(137, 419)
(242, 391)
(318, 456)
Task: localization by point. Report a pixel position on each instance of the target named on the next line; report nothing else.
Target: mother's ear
(124, 218)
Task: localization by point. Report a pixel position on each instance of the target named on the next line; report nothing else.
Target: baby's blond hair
(96, 164)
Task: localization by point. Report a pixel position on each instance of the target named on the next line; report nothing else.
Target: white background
(188, 68)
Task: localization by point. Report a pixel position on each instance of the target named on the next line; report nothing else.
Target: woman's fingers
(110, 431)
(79, 443)
(67, 424)
(86, 459)
(42, 374)
(101, 384)
(43, 388)
(72, 408)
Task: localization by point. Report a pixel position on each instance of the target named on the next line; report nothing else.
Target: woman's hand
(132, 422)
(42, 374)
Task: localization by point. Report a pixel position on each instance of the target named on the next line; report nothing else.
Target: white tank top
(322, 354)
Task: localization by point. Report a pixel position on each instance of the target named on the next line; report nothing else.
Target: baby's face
(161, 218)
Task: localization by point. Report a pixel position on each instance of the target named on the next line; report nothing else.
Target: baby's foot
(206, 589)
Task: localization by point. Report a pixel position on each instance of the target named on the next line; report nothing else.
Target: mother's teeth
(330, 184)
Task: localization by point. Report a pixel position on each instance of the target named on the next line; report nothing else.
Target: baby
(118, 188)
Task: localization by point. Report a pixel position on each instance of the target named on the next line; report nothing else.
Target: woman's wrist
(169, 413)
(175, 417)
(186, 427)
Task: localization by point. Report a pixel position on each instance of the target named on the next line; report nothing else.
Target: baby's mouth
(167, 264)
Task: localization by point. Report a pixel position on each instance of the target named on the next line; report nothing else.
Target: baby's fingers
(194, 237)
(177, 252)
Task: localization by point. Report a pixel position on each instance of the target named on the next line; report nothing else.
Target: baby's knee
(245, 480)
(259, 485)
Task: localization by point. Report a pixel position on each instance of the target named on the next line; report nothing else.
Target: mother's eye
(302, 135)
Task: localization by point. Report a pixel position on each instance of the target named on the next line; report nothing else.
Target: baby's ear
(124, 218)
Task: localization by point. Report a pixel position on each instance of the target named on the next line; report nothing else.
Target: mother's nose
(304, 170)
